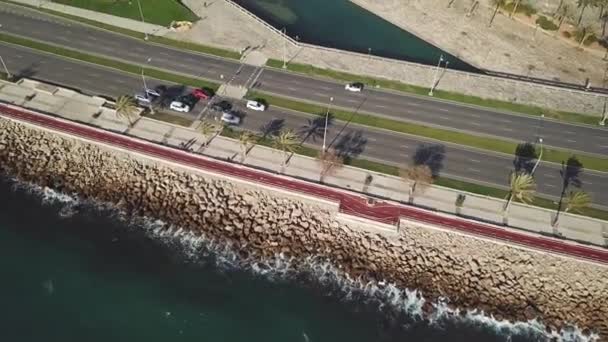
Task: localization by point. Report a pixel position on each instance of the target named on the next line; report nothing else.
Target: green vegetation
(126, 67)
(446, 95)
(159, 12)
(441, 181)
(139, 35)
(166, 117)
(486, 143)
(546, 24)
(522, 7)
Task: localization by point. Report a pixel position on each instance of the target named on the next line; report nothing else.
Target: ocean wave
(385, 296)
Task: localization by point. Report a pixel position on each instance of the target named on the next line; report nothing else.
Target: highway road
(400, 106)
(369, 143)
(350, 203)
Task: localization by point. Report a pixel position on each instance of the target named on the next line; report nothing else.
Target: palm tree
(498, 4)
(329, 162)
(570, 174)
(559, 7)
(582, 4)
(208, 130)
(126, 108)
(585, 32)
(246, 140)
(577, 200)
(521, 188)
(562, 14)
(286, 142)
(419, 178)
(514, 8)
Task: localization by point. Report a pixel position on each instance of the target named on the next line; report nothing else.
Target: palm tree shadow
(314, 128)
(350, 145)
(272, 127)
(525, 157)
(347, 123)
(431, 155)
(28, 72)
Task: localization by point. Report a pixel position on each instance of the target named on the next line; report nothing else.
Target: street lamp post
(539, 139)
(8, 74)
(369, 53)
(141, 13)
(143, 79)
(284, 30)
(540, 155)
(331, 99)
(435, 75)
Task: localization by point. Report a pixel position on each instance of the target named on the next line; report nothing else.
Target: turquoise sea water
(71, 272)
(343, 25)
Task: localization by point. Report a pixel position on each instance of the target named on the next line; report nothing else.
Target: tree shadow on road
(315, 128)
(350, 145)
(28, 72)
(170, 94)
(431, 155)
(525, 157)
(272, 127)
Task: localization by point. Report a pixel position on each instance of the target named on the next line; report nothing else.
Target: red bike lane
(350, 203)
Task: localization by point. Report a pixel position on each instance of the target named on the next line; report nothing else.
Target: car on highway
(354, 87)
(179, 106)
(143, 98)
(221, 106)
(256, 105)
(230, 118)
(201, 94)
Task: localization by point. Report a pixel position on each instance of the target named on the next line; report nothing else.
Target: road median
(446, 135)
(440, 134)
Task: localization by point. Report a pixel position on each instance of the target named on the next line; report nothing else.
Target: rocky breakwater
(508, 282)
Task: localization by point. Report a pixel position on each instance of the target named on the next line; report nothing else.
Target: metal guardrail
(258, 19)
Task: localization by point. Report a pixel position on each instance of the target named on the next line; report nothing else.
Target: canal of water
(343, 25)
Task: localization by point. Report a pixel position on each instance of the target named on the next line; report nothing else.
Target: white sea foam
(200, 248)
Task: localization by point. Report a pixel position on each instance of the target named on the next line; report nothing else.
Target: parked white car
(231, 119)
(354, 87)
(179, 107)
(142, 99)
(152, 92)
(255, 105)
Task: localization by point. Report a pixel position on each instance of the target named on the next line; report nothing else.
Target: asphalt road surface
(358, 141)
(353, 204)
(393, 105)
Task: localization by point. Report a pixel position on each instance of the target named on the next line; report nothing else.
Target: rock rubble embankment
(505, 281)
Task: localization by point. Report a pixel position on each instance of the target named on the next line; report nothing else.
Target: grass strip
(374, 166)
(485, 143)
(446, 95)
(139, 35)
(159, 12)
(119, 65)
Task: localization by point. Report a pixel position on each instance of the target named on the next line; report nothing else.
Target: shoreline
(500, 279)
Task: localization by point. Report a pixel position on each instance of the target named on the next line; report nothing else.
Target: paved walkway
(350, 203)
(511, 46)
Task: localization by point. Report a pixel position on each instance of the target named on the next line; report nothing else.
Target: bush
(545, 23)
(579, 34)
(566, 34)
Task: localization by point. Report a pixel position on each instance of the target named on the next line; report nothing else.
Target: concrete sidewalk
(94, 111)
